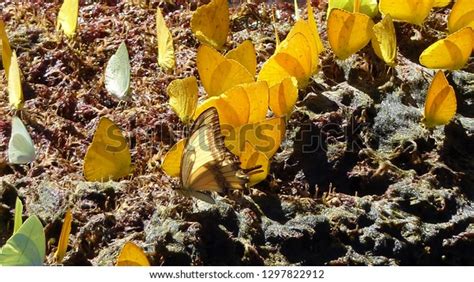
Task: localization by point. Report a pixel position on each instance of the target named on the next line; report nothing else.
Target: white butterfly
(117, 73)
(21, 149)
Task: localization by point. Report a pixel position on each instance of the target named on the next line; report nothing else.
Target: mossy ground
(373, 187)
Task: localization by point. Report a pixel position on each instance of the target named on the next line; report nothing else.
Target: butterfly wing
(67, 17)
(63, 237)
(171, 163)
(166, 58)
(210, 23)
(283, 96)
(451, 53)
(132, 255)
(15, 92)
(293, 58)
(183, 95)
(441, 3)
(348, 32)
(384, 40)
(462, 14)
(251, 158)
(117, 73)
(410, 11)
(227, 75)
(207, 165)
(314, 27)
(108, 156)
(219, 73)
(304, 28)
(265, 136)
(20, 148)
(244, 53)
(440, 104)
(6, 50)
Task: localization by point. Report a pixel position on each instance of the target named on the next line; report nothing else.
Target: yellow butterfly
(314, 27)
(6, 50)
(63, 238)
(166, 58)
(384, 40)
(219, 73)
(210, 23)
(108, 156)
(410, 11)
(206, 163)
(171, 162)
(348, 32)
(15, 92)
(244, 53)
(450, 53)
(12, 71)
(251, 158)
(283, 96)
(295, 56)
(67, 17)
(310, 25)
(132, 255)
(183, 95)
(242, 104)
(461, 15)
(303, 27)
(440, 103)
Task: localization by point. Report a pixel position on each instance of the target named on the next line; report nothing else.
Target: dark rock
(319, 103)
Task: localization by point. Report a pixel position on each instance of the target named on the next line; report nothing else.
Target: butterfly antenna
(297, 12)
(277, 37)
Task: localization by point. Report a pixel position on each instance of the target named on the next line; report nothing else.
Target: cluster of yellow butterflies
(233, 136)
(239, 126)
(350, 31)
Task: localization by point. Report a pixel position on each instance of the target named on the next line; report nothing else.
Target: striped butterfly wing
(207, 165)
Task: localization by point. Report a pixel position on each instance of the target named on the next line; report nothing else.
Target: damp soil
(357, 181)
